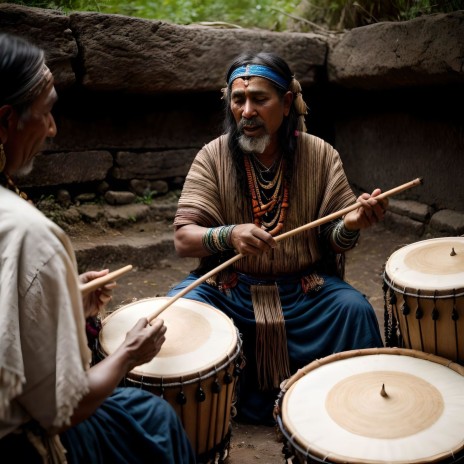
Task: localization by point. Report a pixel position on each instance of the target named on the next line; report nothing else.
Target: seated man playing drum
(266, 176)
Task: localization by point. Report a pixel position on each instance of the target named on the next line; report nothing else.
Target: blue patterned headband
(258, 70)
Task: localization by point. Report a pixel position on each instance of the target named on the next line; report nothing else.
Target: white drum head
(431, 265)
(198, 337)
(340, 413)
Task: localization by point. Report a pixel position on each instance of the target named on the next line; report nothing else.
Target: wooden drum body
(195, 371)
(374, 406)
(424, 304)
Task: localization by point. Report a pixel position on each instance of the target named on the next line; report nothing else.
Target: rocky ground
(147, 245)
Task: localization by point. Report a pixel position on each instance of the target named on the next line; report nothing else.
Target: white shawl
(43, 347)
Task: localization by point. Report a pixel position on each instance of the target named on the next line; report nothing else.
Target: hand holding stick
(310, 225)
(101, 281)
(342, 212)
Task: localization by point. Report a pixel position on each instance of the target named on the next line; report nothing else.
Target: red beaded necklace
(269, 216)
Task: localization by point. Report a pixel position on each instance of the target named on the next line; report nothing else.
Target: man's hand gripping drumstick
(144, 340)
(97, 288)
(361, 216)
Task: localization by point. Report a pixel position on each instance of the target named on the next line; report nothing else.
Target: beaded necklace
(270, 215)
(8, 183)
(261, 167)
(260, 175)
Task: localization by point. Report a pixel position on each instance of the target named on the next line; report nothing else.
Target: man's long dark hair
(286, 136)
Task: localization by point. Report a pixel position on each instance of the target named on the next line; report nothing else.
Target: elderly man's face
(258, 110)
(27, 134)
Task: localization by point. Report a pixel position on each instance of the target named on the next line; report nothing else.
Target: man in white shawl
(54, 407)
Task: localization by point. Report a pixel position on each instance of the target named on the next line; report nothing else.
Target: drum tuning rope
(310, 225)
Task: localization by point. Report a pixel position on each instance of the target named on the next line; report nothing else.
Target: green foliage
(337, 15)
(266, 14)
(146, 199)
(276, 15)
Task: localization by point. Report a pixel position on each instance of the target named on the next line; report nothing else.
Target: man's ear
(288, 100)
(6, 121)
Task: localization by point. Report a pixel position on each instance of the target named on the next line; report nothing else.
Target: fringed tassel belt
(272, 357)
(271, 338)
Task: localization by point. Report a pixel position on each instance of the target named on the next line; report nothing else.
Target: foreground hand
(95, 301)
(143, 342)
(370, 211)
(249, 239)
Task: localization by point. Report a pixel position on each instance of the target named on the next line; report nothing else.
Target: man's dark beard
(252, 144)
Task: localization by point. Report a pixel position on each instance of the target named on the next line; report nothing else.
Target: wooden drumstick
(346, 210)
(310, 225)
(100, 281)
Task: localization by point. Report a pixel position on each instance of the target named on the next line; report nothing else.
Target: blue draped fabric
(132, 426)
(319, 323)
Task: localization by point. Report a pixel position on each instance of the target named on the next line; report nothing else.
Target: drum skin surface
(198, 336)
(429, 265)
(195, 371)
(424, 297)
(374, 406)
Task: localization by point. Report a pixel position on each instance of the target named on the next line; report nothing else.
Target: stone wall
(138, 98)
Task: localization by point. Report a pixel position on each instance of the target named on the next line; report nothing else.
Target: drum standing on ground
(424, 304)
(195, 371)
(374, 406)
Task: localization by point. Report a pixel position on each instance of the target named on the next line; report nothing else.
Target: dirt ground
(364, 269)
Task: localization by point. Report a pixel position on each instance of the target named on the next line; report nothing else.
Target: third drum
(374, 406)
(424, 305)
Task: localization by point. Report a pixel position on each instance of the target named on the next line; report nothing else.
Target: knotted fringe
(311, 283)
(271, 339)
(224, 280)
(49, 447)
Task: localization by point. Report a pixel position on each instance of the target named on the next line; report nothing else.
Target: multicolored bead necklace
(271, 215)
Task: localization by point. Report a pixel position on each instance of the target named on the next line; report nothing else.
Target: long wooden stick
(100, 281)
(346, 210)
(310, 225)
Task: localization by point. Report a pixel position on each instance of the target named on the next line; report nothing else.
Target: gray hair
(22, 72)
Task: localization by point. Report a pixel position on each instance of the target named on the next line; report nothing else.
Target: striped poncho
(212, 197)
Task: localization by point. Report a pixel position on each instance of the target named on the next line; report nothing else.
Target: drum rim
(142, 300)
(175, 380)
(425, 294)
(301, 447)
(179, 381)
(287, 383)
(420, 242)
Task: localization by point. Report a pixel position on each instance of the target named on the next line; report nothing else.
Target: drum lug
(200, 395)
(181, 398)
(228, 378)
(216, 387)
(405, 308)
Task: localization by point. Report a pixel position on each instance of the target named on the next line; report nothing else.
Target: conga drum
(374, 406)
(424, 305)
(195, 371)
